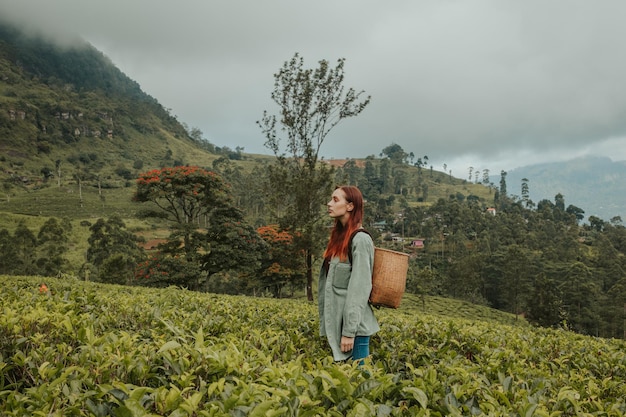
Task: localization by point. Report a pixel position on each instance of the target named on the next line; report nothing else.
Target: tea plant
(85, 349)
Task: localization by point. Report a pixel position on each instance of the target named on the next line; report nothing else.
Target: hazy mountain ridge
(595, 184)
(79, 66)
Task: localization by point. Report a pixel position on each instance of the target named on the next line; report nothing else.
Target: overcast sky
(490, 84)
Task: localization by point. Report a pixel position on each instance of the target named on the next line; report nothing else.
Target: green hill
(69, 116)
(69, 113)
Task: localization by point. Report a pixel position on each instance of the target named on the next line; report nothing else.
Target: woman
(346, 318)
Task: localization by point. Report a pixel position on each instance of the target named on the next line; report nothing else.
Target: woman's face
(339, 207)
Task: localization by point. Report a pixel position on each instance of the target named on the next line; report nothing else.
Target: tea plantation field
(86, 349)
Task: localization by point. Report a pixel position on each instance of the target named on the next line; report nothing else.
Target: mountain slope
(595, 184)
(71, 108)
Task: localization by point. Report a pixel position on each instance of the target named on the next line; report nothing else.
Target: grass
(35, 208)
(65, 202)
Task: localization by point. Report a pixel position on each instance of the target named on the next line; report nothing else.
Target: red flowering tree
(208, 233)
(185, 195)
(284, 263)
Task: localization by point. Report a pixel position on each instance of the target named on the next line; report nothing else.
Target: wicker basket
(389, 277)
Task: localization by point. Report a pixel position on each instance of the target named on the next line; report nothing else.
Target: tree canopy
(113, 251)
(311, 101)
(208, 233)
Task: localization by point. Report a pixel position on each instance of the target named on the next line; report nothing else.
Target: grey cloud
(486, 83)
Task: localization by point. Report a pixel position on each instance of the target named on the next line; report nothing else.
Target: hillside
(70, 119)
(68, 113)
(75, 132)
(596, 185)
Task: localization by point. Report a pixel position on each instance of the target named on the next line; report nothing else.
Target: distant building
(418, 243)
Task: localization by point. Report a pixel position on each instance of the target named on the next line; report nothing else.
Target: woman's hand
(347, 344)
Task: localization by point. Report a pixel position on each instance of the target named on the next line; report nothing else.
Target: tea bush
(86, 349)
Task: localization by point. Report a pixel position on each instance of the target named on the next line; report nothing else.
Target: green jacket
(343, 296)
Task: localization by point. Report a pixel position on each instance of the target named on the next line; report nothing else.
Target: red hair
(340, 235)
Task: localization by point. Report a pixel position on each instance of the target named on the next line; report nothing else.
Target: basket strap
(350, 243)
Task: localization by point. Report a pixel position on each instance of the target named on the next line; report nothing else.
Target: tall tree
(395, 153)
(352, 173)
(208, 233)
(25, 244)
(526, 193)
(559, 202)
(233, 244)
(113, 250)
(545, 306)
(485, 176)
(312, 102)
(503, 191)
(52, 244)
(8, 253)
(385, 177)
(185, 195)
(581, 292)
(372, 179)
(577, 212)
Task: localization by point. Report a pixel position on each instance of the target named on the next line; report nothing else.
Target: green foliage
(395, 153)
(74, 106)
(162, 270)
(536, 262)
(311, 102)
(113, 250)
(43, 254)
(233, 244)
(208, 232)
(52, 242)
(88, 349)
